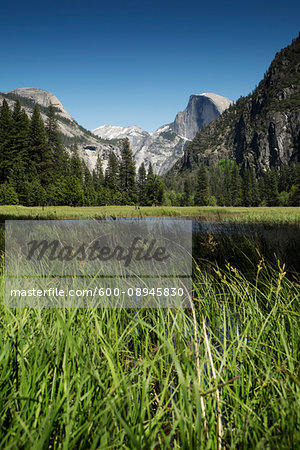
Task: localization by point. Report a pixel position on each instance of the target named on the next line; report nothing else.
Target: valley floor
(157, 378)
(213, 214)
(223, 373)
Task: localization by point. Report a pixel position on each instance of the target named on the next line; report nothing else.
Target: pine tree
(40, 153)
(98, 176)
(104, 196)
(271, 187)
(57, 192)
(255, 197)
(150, 169)
(215, 180)
(294, 193)
(236, 191)
(90, 195)
(187, 193)
(246, 188)
(221, 200)
(76, 169)
(284, 179)
(127, 172)
(294, 174)
(36, 195)
(227, 183)
(87, 176)
(142, 183)
(154, 190)
(202, 194)
(8, 195)
(20, 141)
(75, 191)
(112, 179)
(261, 188)
(7, 155)
(58, 153)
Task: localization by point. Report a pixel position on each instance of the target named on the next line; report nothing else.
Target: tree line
(224, 184)
(36, 169)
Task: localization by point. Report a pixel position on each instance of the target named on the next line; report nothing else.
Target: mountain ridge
(89, 145)
(166, 145)
(259, 131)
(201, 110)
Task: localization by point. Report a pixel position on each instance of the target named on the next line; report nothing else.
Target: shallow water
(241, 244)
(244, 244)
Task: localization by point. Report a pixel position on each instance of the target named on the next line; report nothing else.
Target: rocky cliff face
(261, 130)
(166, 145)
(89, 145)
(42, 98)
(162, 148)
(200, 111)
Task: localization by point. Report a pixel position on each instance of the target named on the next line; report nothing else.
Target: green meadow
(236, 214)
(223, 373)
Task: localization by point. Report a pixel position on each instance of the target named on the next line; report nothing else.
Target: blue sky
(137, 62)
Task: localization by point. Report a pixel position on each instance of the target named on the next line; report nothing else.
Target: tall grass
(220, 214)
(145, 378)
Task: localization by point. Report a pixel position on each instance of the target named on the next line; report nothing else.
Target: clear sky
(137, 62)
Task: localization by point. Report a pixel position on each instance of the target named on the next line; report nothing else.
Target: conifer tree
(20, 141)
(58, 153)
(112, 179)
(90, 197)
(154, 190)
(187, 193)
(36, 195)
(8, 195)
(58, 193)
(294, 194)
(246, 188)
(294, 174)
(98, 176)
(142, 182)
(76, 169)
(7, 155)
(127, 172)
(284, 179)
(150, 169)
(75, 191)
(227, 187)
(271, 187)
(236, 192)
(40, 153)
(87, 176)
(255, 197)
(202, 194)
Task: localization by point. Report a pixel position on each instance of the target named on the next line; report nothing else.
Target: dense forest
(36, 169)
(225, 184)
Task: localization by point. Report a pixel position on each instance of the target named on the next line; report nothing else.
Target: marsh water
(245, 244)
(242, 245)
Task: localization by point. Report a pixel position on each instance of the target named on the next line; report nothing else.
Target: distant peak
(27, 91)
(220, 102)
(41, 97)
